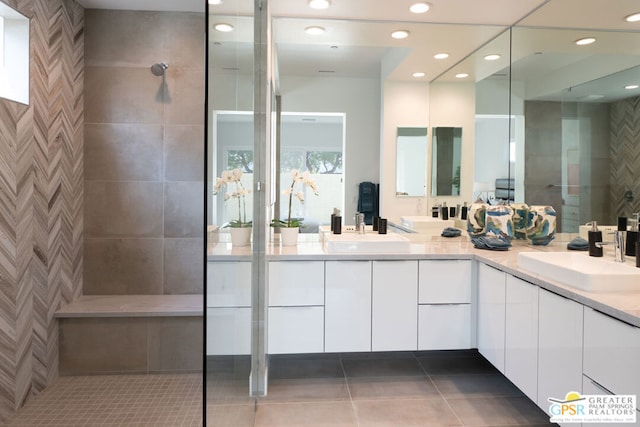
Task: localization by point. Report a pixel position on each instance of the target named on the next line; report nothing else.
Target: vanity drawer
(296, 283)
(228, 331)
(444, 281)
(229, 284)
(444, 326)
(611, 353)
(295, 330)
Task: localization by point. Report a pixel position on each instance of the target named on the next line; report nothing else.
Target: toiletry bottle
(595, 236)
(463, 212)
(632, 236)
(445, 211)
(337, 222)
(382, 226)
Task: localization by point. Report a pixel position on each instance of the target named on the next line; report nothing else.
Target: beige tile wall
(144, 153)
(130, 345)
(41, 200)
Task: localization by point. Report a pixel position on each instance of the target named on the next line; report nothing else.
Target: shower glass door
(233, 166)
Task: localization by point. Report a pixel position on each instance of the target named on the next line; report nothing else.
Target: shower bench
(100, 334)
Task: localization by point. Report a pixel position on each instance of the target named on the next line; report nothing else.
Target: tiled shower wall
(41, 198)
(543, 169)
(625, 154)
(144, 153)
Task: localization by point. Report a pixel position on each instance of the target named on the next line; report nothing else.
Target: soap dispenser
(595, 236)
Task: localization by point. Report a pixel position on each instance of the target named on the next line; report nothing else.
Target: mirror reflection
(579, 104)
(411, 161)
(446, 161)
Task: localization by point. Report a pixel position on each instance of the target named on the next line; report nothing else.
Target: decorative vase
(289, 236)
(240, 236)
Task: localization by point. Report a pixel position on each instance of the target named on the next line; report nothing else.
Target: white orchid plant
(233, 177)
(304, 179)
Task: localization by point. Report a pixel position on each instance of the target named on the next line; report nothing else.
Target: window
(14, 55)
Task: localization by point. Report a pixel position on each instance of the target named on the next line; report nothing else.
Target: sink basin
(579, 270)
(426, 223)
(365, 243)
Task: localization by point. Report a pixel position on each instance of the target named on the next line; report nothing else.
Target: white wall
(404, 105)
(359, 99)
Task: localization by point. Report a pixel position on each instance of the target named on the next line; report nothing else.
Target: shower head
(158, 69)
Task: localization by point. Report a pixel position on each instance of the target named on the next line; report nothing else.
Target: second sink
(578, 270)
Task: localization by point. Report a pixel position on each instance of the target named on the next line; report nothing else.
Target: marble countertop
(624, 306)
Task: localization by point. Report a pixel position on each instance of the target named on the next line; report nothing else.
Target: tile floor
(440, 388)
(163, 400)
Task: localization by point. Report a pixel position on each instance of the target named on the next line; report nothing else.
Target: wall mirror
(411, 161)
(580, 108)
(487, 149)
(356, 56)
(446, 156)
(356, 68)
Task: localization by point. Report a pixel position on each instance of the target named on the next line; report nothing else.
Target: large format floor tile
(405, 412)
(387, 387)
(316, 414)
(439, 388)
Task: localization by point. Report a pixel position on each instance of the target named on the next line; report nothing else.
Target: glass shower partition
(237, 200)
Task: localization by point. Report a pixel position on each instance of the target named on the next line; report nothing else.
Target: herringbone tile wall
(41, 199)
(625, 156)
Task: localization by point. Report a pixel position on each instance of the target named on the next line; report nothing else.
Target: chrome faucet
(618, 245)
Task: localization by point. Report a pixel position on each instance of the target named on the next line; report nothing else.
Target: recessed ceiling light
(633, 17)
(631, 87)
(492, 57)
(441, 55)
(315, 31)
(319, 4)
(215, 2)
(418, 74)
(400, 34)
(223, 28)
(462, 75)
(585, 41)
(420, 7)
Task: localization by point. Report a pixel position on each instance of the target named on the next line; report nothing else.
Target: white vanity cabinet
(491, 315)
(444, 310)
(560, 328)
(611, 353)
(395, 306)
(296, 307)
(521, 335)
(228, 308)
(347, 306)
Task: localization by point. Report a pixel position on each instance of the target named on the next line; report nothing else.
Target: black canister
(382, 226)
(452, 212)
(463, 212)
(375, 223)
(332, 217)
(630, 247)
(337, 224)
(434, 211)
(445, 212)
